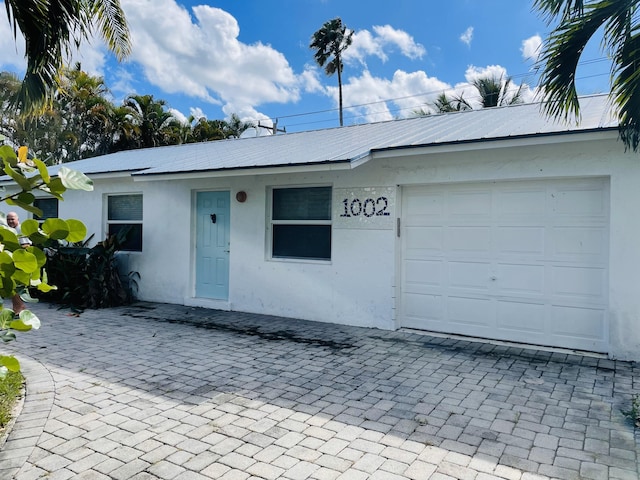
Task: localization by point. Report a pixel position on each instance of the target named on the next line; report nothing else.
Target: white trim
(207, 303)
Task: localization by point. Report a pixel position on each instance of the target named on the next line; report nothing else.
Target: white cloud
(409, 91)
(201, 56)
(385, 38)
(531, 48)
(467, 36)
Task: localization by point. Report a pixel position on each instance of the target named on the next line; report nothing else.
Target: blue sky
(252, 57)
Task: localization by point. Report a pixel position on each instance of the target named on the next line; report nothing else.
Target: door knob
(213, 218)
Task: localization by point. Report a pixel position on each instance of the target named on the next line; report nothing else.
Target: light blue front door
(212, 245)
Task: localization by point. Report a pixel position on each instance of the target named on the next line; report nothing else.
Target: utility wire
(400, 109)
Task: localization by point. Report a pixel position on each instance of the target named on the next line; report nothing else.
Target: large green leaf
(24, 206)
(29, 226)
(8, 154)
(29, 319)
(20, 179)
(9, 238)
(21, 277)
(56, 228)
(77, 230)
(45, 287)
(39, 254)
(42, 168)
(18, 326)
(10, 362)
(25, 261)
(75, 180)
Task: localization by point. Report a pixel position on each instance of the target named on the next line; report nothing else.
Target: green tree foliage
(80, 121)
(576, 22)
(50, 28)
(22, 267)
(492, 91)
(329, 43)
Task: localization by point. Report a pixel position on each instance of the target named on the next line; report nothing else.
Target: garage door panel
(521, 261)
(425, 308)
(518, 319)
(522, 203)
(576, 201)
(470, 311)
(578, 323)
(520, 279)
(476, 204)
(572, 243)
(580, 283)
(468, 239)
(469, 276)
(422, 275)
(519, 240)
(427, 240)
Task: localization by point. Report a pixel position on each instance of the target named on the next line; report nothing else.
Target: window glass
(124, 216)
(302, 203)
(301, 223)
(49, 207)
(125, 207)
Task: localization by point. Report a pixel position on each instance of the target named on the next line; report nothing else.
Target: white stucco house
(498, 223)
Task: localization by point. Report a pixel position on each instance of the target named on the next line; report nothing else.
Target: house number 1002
(369, 207)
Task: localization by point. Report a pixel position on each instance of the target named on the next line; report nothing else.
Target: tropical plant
(496, 91)
(150, 119)
(329, 42)
(51, 27)
(88, 277)
(445, 104)
(22, 267)
(492, 91)
(576, 24)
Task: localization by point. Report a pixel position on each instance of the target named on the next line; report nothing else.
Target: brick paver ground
(156, 391)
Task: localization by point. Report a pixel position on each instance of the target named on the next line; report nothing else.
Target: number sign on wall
(366, 207)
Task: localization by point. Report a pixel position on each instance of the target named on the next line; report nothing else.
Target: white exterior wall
(357, 287)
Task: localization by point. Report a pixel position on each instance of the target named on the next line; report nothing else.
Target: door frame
(192, 299)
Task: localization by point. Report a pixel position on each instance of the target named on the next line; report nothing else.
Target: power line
(399, 109)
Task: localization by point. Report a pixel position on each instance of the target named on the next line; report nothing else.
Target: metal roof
(351, 143)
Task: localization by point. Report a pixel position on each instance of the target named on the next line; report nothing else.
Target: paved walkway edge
(28, 426)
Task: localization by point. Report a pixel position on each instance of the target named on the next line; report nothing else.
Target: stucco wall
(357, 286)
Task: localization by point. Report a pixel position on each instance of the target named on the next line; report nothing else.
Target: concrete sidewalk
(156, 391)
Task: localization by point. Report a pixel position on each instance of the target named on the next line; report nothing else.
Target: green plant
(89, 277)
(10, 392)
(22, 268)
(634, 413)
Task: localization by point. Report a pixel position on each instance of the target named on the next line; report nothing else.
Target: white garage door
(516, 261)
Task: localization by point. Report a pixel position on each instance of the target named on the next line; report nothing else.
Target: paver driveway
(169, 392)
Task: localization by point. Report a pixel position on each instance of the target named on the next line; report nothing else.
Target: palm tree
(51, 27)
(578, 22)
(329, 42)
(494, 91)
(445, 104)
(151, 119)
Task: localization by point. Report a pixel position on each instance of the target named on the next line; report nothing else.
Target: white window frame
(110, 222)
(271, 222)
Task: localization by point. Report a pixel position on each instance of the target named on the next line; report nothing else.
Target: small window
(124, 212)
(49, 207)
(301, 223)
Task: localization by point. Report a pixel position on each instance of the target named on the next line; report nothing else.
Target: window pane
(302, 241)
(125, 207)
(133, 240)
(49, 207)
(302, 203)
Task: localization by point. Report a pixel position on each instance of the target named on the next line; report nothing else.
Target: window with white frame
(124, 214)
(301, 223)
(49, 207)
